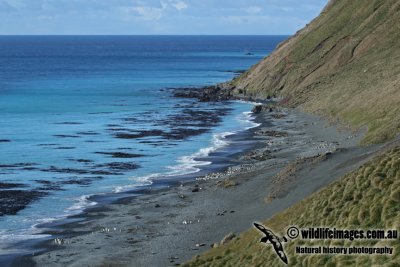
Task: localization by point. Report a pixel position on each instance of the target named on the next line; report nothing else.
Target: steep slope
(367, 198)
(345, 65)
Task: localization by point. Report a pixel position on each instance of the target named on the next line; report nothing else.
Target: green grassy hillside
(367, 198)
(345, 65)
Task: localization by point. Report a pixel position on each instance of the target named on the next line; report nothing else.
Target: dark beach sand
(165, 227)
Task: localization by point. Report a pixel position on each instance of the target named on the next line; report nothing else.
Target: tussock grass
(367, 198)
(345, 65)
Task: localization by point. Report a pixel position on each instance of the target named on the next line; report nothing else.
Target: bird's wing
(260, 227)
(279, 250)
(264, 230)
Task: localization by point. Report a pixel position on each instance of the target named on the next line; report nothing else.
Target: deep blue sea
(84, 115)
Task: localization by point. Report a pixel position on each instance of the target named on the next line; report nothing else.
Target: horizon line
(145, 34)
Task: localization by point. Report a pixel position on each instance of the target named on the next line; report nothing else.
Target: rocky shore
(206, 93)
(216, 93)
(297, 154)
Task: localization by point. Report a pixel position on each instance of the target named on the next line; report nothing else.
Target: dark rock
(174, 134)
(48, 145)
(12, 201)
(182, 133)
(87, 133)
(120, 166)
(66, 136)
(196, 118)
(79, 171)
(65, 170)
(121, 155)
(257, 109)
(82, 160)
(51, 187)
(139, 134)
(205, 94)
(29, 168)
(4, 185)
(68, 123)
(17, 165)
(81, 181)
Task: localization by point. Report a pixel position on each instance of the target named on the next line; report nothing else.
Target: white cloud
(253, 10)
(46, 17)
(156, 13)
(179, 5)
(156, 16)
(147, 13)
(164, 5)
(14, 3)
(287, 9)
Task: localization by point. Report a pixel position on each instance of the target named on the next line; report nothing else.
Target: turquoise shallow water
(91, 115)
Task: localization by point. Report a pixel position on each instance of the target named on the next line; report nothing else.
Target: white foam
(81, 203)
(247, 102)
(144, 180)
(188, 164)
(9, 238)
(248, 119)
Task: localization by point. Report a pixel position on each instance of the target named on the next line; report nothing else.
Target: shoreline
(190, 217)
(218, 160)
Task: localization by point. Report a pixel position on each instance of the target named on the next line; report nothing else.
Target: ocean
(90, 115)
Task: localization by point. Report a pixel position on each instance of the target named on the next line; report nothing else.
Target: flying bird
(274, 240)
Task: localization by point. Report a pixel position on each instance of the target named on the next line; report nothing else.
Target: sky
(186, 17)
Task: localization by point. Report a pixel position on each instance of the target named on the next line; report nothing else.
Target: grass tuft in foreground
(367, 198)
